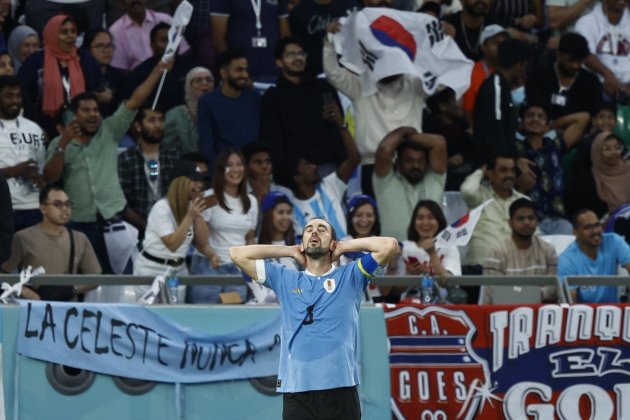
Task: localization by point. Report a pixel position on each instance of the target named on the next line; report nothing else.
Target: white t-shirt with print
(20, 140)
(161, 222)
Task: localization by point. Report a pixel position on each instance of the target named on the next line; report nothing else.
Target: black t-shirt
(584, 95)
(468, 39)
(308, 21)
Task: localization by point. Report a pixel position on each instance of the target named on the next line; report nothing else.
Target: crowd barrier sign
(509, 361)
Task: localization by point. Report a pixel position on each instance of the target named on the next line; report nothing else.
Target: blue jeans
(210, 293)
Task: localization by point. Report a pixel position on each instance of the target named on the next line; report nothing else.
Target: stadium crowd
(259, 127)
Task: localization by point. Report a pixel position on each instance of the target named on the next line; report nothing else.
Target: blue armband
(368, 265)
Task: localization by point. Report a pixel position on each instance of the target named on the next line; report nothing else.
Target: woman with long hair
(232, 221)
(180, 123)
(276, 229)
(173, 223)
(362, 221)
(419, 253)
(52, 77)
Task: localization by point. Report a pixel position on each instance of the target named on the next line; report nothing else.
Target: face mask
(518, 96)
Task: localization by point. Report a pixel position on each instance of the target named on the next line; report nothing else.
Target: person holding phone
(298, 116)
(173, 223)
(419, 253)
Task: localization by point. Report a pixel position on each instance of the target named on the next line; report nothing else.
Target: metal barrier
(129, 280)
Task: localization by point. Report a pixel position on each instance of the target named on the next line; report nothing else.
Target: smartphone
(67, 117)
(412, 260)
(327, 98)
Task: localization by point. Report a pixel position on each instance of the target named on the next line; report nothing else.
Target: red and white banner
(509, 362)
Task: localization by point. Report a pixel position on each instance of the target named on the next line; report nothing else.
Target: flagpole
(159, 90)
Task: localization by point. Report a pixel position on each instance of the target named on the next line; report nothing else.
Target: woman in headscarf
(23, 42)
(66, 73)
(610, 170)
(180, 123)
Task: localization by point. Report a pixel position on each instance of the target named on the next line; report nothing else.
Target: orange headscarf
(52, 86)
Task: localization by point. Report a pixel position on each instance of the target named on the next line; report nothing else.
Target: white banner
(176, 32)
(378, 42)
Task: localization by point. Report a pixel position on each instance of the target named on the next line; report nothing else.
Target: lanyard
(66, 87)
(257, 6)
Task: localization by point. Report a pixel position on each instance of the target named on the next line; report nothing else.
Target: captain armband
(368, 265)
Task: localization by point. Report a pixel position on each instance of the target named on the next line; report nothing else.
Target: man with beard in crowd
(22, 151)
(145, 169)
(296, 119)
(318, 374)
(85, 158)
(228, 117)
(418, 173)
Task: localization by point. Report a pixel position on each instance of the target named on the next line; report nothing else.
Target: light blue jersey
(320, 317)
(612, 252)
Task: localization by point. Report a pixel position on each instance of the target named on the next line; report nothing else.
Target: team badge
(330, 285)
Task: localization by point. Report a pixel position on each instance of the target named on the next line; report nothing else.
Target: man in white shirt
(607, 30)
(22, 154)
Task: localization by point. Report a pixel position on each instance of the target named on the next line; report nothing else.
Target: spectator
(232, 221)
(564, 86)
(132, 34)
(100, 44)
(180, 123)
(52, 77)
(447, 119)
(172, 224)
(562, 14)
(23, 42)
(495, 119)
(145, 170)
(582, 192)
(53, 246)
(313, 195)
(541, 174)
(469, 24)
(228, 117)
(419, 252)
(607, 30)
(252, 27)
(363, 219)
(259, 170)
(490, 39)
(6, 220)
(610, 170)
(417, 173)
(174, 82)
(525, 15)
(398, 102)
(522, 253)
(87, 13)
(308, 22)
(6, 65)
(277, 224)
(22, 154)
(294, 120)
(85, 158)
(276, 229)
(593, 253)
(493, 226)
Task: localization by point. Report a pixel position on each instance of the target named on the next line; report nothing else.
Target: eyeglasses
(154, 169)
(100, 46)
(60, 204)
(617, 148)
(296, 54)
(207, 79)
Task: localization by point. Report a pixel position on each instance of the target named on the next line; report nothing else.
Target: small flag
(176, 32)
(460, 232)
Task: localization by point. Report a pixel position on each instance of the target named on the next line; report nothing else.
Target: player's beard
(316, 252)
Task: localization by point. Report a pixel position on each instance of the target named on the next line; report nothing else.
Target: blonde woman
(173, 223)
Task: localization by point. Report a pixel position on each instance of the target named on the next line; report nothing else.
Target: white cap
(490, 31)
